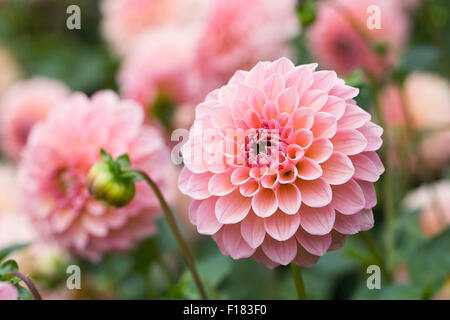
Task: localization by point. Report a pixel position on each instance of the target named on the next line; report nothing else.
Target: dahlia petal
(206, 219)
(252, 230)
(365, 169)
(320, 150)
(240, 175)
(232, 208)
(281, 66)
(337, 240)
(303, 118)
(270, 110)
(260, 257)
(314, 244)
(373, 156)
(220, 184)
(288, 174)
(94, 225)
(304, 258)
(256, 76)
(303, 138)
(250, 188)
(62, 220)
(317, 221)
(314, 99)
(347, 224)
(282, 252)
(273, 86)
(315, 193)
(264, 203)
(221, 116)
(338, 169)
(193, 209)
(198, 186)
(366, 220)
(336, 106)
(239, 108)
(234, 243)
(281, 226)
(349, 141)
(324, 80)
(343, 91)
(348, 198)
(257, 100)
(270, 181)
(183, 180)
(300, 78)
(308, 169)
(325, 125)
(289, 198)
(252, 119)
(374, 141)
(294, 152)
(227, 94)
(288, 100)
(353, 118)
(369, 193)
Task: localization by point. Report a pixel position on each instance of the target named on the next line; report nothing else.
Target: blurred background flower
(167, 55)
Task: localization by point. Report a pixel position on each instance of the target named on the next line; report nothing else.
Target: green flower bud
(108, 185)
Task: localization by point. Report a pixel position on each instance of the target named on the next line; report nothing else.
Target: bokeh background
(408, 93)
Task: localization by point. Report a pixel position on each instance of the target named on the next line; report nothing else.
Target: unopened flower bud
(106, 185)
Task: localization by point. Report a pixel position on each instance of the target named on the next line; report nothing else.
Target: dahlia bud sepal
(109, 181)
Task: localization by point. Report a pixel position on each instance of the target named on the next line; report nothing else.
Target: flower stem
(29, 283)
(298, 279)
(371, 244)
(176, 232)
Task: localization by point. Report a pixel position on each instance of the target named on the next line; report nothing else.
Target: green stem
(188, 257)
(34, 291)
(388, 181)
(298, 279)
(369, 241)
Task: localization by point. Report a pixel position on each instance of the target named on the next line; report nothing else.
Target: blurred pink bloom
(341, 40)
(281, 164)
(433, 201)
(160, 62)
(56, 161)
(427, 97)
(392, 105)
(188, 62)
(125, 20)
(22, 106)
(8, 291)
(237, 34)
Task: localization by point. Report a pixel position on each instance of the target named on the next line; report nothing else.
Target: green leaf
(429, 264)
(124, 161)
(105, 156)
(132, 175)
(23, 293)
(8, 266)
(8, 250)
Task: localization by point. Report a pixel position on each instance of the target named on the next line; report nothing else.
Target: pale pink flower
(341, 40)
(125, 20)
(160, 62)
(281, 164)
(8, 291)
(427, 97)
(433, 201)
(22, 106)
(237, 34)
(56, 161)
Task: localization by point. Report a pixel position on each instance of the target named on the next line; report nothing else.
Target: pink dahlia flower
(56, 161)
(22, 106)
(125, 20)
(237, 34)
(281, 164)
(433, 201)
(160, 62)
(341, 40)
(8, 291)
